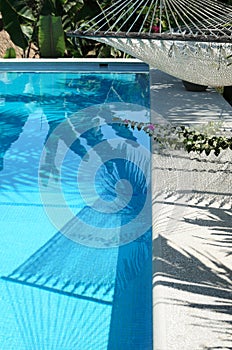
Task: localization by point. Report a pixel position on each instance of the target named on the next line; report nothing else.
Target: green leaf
(51, 36)
(22, 9)
(12, 24)
(48, 8)
(89, 10)
(189, 148)
(217, 151)
(27, 30)
(10, 53)
(71, 4)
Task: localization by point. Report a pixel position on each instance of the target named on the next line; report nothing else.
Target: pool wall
(63, 65)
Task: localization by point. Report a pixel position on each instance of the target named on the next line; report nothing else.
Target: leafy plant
(27, 22)
(46, 24)
(199, 140)
(12, 14)
(195, 141)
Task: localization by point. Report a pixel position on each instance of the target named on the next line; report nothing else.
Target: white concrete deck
(192, 227)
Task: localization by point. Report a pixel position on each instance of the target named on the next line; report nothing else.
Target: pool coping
(98, 65)
(186, 311)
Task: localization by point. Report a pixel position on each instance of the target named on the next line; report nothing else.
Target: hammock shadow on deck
(183, 107)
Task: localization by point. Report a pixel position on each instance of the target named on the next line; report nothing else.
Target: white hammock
(200, 63)
(187, 39)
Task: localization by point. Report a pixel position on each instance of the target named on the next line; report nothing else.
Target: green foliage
(10, 53)
(10, 15)
(51, 36)
(192, 140)
(25, 22)
(89, 10)
(228, 2)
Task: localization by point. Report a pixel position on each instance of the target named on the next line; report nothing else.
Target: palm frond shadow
(219, 222)
(182, 267)
(183, 271)
(222, 328)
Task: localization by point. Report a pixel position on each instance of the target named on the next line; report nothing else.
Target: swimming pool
(76, 260)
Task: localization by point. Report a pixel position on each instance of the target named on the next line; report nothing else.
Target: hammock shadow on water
(74, 283)
(69, 295)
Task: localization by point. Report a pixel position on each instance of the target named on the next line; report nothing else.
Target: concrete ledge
(102, 65)
(173, 103)
(192, 242)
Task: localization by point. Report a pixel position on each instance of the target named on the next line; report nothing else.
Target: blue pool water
(75, 211)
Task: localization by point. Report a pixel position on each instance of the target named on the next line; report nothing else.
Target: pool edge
(102, 65)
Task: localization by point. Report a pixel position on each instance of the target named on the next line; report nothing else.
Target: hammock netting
(191, 40)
